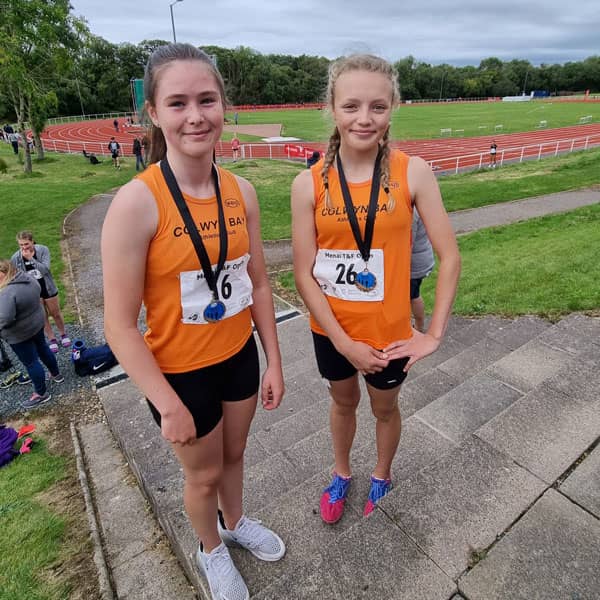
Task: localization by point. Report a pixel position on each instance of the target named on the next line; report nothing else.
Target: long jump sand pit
(266, 130)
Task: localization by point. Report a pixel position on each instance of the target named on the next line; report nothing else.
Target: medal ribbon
(364, 245)
(210, 275)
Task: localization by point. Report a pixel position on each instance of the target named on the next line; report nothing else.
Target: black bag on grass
(89, 361)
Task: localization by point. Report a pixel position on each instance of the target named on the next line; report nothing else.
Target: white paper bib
(234, 286)
(336, 270)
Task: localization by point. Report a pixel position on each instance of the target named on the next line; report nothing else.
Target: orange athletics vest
(376, 323)
(180, 347)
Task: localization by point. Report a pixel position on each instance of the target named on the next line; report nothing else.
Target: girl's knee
(207, 479)
(385, 413)
(234, 454)
(346, 406)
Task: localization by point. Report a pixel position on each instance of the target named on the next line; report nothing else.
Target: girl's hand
(272, 388)
(178, 427)
(27, 253)
(365, 359)
(417, 347)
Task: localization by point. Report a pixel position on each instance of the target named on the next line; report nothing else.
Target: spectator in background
(14, 139)
(22, 326)
(421, 265)
(313, 159)
(493, 152)
(115, 151)
(34, 259)
(116, 125)
(138, 152)
(235, 147)
(145, 148)
(235, 117)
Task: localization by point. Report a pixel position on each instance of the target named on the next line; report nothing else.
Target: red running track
(443, 153)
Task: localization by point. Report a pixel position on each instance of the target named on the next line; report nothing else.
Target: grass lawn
(272, 181)
(546, 266)
(413, 121)
(35, 561)
(41, 201)
(525, 180)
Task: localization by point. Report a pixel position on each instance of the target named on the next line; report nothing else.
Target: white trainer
(252, 535)
(223, 578)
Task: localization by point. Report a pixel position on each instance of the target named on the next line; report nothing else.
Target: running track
(442, 153)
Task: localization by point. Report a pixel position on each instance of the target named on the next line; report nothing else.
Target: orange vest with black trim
(376, 323)
(176, 346)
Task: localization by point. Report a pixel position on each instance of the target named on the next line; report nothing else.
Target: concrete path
(497, 492)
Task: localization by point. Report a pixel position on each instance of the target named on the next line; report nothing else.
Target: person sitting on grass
(91, 157)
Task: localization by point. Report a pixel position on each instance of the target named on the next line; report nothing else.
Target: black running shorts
(333, 366)
(203, 390)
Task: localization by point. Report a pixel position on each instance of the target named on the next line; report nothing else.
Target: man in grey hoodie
(22, 326)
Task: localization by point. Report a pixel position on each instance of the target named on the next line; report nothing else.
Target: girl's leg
(418, 311)
(47, 327)
(53, 307)
(27, 354)
(45, 354)
(384, 404)
(342, 418)
(202, 463)
(237, 417)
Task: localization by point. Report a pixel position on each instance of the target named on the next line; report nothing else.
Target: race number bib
(234, 286)
(336, 271)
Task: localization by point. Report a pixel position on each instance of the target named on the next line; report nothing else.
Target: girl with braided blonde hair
(351, 236)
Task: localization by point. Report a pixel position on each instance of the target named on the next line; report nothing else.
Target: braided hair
(372, 64)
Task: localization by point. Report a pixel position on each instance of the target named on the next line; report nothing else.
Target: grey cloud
(436, 31)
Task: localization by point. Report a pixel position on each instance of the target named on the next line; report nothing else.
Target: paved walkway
(497, 485)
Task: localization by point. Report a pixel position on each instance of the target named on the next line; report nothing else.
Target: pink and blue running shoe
(379, 488)
(333, 499)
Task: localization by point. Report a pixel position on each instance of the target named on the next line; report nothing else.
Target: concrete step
(490, 422)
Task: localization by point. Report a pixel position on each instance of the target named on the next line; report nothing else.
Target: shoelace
(220, 562)
(252, 532)
(379, 488)
(337, 489)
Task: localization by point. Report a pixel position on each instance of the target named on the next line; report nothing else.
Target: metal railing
(282, 151)
(469, 162)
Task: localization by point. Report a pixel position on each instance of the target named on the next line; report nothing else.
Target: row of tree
(51, 64)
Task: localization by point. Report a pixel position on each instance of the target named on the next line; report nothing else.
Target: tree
(40, 108)
(37, 38)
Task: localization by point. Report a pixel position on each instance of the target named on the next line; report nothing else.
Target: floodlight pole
(525, 82)
(442, 84)
(173, 20)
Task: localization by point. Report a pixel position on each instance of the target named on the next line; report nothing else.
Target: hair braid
(385, 169)
(332, 149)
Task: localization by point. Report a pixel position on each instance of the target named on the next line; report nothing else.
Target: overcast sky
(436, 31)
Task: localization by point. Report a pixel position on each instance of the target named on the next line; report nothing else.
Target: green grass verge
(525, 180)
(32, 535)
(272, 180)
(546, 266)
(42, 200)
